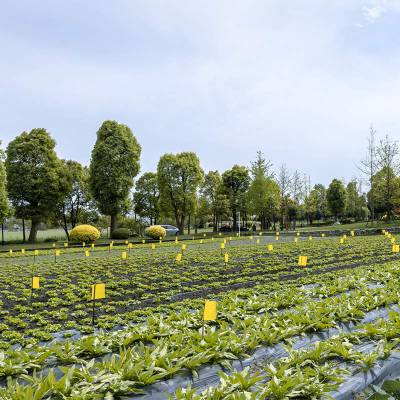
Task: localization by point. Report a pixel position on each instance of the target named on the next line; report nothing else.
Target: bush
(84, 233)
(155, 231)
(120, 233)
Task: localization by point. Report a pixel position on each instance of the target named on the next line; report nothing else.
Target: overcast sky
(299, 80)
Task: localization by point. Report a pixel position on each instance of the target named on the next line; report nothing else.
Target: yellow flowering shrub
(84, 233)
(155, 231)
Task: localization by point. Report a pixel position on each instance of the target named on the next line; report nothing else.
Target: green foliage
(146, 197)
(336, 197)
(35, 177)
(264, 193)
(84, 233)
(120, 233)
(114, 164)
(4, 206)
(236, 181)
(179, 176)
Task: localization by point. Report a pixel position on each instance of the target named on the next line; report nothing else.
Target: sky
(302, 81)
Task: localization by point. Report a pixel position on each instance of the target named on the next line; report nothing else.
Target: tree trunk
(234, 227)
(113, 224)
(181, 225)
(23, 231)
(188, 226)
(34, 229)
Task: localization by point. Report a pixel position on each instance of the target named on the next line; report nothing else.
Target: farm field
(331, 327)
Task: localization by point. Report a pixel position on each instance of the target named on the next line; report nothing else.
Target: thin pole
(94, 304)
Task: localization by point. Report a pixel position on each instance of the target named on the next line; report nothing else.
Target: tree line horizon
(38, 186)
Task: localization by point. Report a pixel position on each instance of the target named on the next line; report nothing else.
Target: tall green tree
(35, 177)
(179, 176)
(70, 209)
(236, 182)
(264, 193)
(4, 206)
(114, 165)
(355, 203)
(336, 198)
(316, 206)
(216, 200)
(146, 197)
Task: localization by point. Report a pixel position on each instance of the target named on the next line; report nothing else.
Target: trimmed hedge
(155, 231)
(120, 233)
(84, 233)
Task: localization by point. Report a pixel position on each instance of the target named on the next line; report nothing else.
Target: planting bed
(282, 330)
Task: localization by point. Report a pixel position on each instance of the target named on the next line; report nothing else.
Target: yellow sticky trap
(251, 237)
(92, 245)
(183, 246)
(210, 310)
(258, 241)
(277, 233)
(176, 240)
(344, 237)
(352, 233)
(298, 233)
(178, 257)
(11, 252)
(322, 234)
(87, 253)
(219, 234)
(130, 246)
(57, 253)
(36, 252)
(270, 247)
(22, 251)
(143, 241)
(35, 282)
(204, 235)
(126, 242)
(224, 241)
(341, 241)
(230, 238)
(260, 234)
(393, 240)
(310, 238)
(65, 244)
(226, 258)
(303, 261)
(54, 245)
(83, 244)
(276, 237)
(396, 248)
(222, 246)
(153, 246)
(201, 241)
(296, 240)
(212, 239)
(123, 255)
(98, 291)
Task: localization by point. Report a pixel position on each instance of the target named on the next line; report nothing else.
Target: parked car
(171, 230)
(225, 228)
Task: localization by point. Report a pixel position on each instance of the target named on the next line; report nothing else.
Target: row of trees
(36, 185)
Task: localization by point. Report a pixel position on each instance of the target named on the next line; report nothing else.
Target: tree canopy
(114, 165)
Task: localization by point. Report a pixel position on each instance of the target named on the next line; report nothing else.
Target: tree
(34, 177)
(179, 176)
(386, 193)
(235, 182)
(336, 198)
(264, 193)
(369, 167)
(387, 157)
(4, 206)
(146, 197)
(355, 201)
(212, 191)
(114, 165)
(285, 185)
(71, 207)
